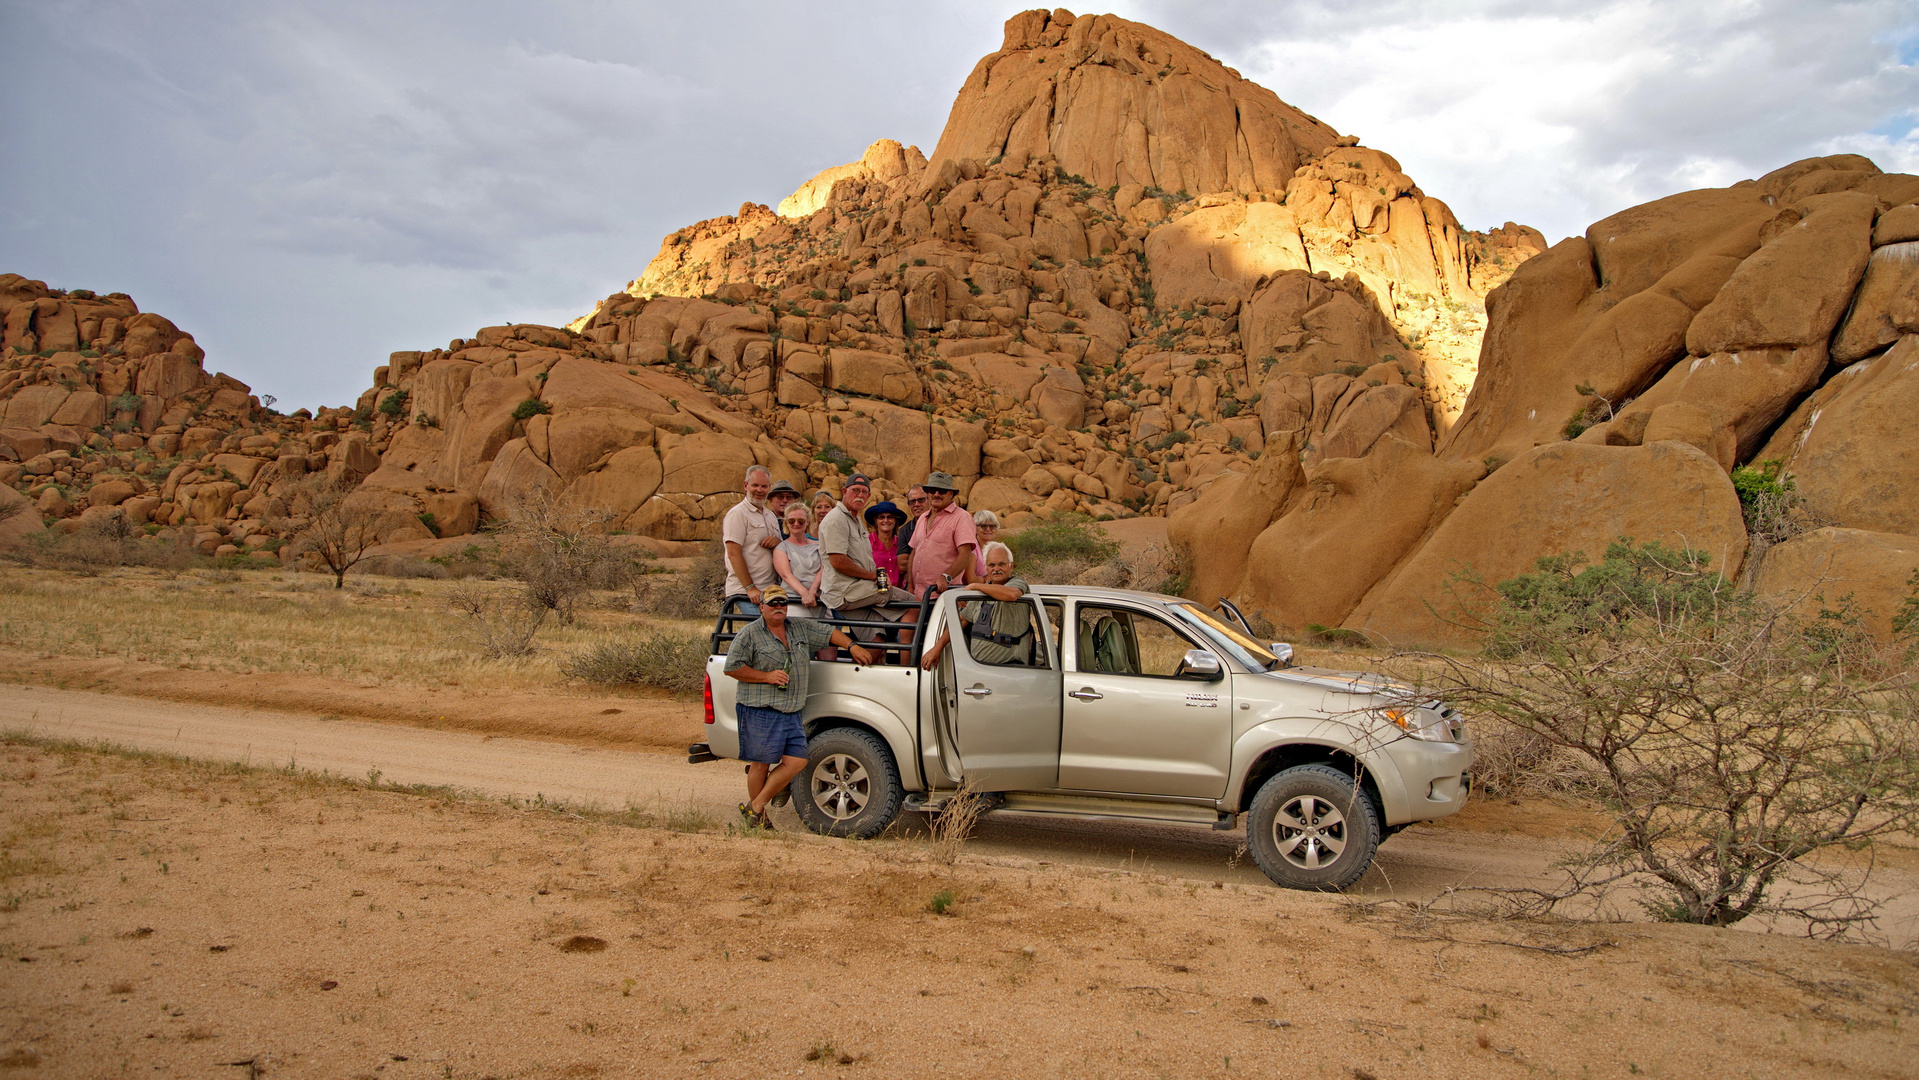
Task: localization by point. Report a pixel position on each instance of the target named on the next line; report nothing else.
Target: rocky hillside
(1118, 275)
(1625, 375)
(1127, 281)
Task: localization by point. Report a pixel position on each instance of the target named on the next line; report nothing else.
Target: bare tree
(1730, 743)
(560, 552)
(334, 530)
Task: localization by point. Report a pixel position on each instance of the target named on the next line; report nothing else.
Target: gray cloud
(308, 186)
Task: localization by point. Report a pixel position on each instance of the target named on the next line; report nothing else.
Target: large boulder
(1355, 519)
(575, 383)
(1215, 532)
(1891, 273)
(33, 406)
(1060, 398)
(481, 426)
(956, 445)
(514, 475)
(874, 374)
(577, 439)
(1816, 571)
(1556, 499)
(1601, 315)
(619, 487)
(1856, 459)
(1216, 254)
(1311, 327)
(18, 518)
(703, 463)
(1791, 292)
(82, 409)
(1120, 103)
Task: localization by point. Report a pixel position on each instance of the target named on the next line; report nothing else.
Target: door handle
(1086, 693)
(977, 691)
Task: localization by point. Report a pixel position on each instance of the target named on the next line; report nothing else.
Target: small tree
(1730, 743)
(336, 531)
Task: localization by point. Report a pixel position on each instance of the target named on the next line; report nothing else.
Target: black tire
(850, 786)
(1302, 815)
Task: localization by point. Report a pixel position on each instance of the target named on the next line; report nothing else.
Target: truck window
(1120, 641)
(1002, 632)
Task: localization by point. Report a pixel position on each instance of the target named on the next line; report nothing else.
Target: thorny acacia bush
(502, 627)
(694, 593)
(1730, 743)
(559, 552)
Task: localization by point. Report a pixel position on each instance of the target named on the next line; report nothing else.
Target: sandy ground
(162, 918)
(583, 718)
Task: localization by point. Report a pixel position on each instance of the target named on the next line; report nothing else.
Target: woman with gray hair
(987, 524)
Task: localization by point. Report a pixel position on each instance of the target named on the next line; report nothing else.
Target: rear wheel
(1311, 827)
(850, 786)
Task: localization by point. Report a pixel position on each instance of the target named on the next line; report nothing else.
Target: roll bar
(732, 617)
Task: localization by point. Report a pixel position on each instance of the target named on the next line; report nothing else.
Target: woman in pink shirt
(885, 519)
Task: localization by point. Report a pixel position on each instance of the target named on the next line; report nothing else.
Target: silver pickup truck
(1118, 704)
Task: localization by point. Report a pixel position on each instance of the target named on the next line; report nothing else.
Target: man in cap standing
(944, 538)
(773, 660)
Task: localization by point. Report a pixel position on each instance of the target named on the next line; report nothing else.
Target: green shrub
(1072, 537)
(394, 404)
(530, 408)
(126, 402)
(836, 457)
(667, 660)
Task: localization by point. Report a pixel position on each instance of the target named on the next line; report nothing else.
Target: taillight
(708, 689)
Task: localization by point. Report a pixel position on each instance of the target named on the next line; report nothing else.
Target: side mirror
(1200, 664)
(1281, 652)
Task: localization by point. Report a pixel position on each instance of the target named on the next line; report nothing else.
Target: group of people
(773, 538)
(840, 559)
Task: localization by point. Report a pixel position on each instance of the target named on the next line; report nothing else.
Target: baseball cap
(774, 594)
(858, 478)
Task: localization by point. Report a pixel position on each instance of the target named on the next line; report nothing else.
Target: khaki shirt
(747, 526)
(843, 532)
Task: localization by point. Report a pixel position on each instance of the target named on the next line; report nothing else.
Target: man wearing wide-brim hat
(780, 496)
(773, 660)
(944, 538)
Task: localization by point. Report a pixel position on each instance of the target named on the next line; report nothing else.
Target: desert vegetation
(1741, 752)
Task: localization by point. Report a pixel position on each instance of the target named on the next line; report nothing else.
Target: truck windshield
(1228, 638)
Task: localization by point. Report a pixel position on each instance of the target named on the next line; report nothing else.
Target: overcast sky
(307, 187)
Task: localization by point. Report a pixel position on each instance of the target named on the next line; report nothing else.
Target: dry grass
(400, 631)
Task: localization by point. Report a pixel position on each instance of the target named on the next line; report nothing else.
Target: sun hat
(781, 487)
(885, 506)
(940, 481)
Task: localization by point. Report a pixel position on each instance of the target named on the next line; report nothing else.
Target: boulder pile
(1625, 375)
(1127, 281)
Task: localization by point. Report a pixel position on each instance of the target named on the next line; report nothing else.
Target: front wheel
(1311, 827)
(850, 786)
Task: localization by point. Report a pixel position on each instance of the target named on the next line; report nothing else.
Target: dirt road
(1491, 844)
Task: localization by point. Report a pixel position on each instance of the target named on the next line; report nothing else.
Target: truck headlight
(1430, 722)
